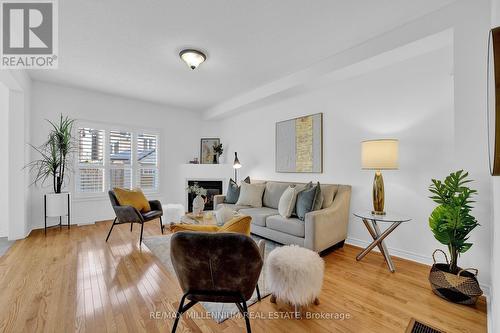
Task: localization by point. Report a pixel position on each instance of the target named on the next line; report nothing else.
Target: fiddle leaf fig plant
(451, 221)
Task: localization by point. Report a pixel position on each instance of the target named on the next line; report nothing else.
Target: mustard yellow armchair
(240, 224)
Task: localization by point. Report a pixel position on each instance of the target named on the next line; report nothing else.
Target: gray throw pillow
(299, 188)
(233, 191)
(318, 200)
(305, 201)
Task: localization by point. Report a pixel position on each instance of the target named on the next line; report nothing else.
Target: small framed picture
(207, 153)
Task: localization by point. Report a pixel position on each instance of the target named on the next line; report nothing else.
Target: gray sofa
(321, 229)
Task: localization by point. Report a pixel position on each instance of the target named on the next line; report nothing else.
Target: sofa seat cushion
(291, 226)
(259, 215)
(231, 206)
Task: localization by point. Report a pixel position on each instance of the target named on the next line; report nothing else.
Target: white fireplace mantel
(187, 172)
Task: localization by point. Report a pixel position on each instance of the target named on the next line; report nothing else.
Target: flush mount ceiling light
(192, 58)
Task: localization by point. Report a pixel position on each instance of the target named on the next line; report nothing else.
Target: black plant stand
(60, 217)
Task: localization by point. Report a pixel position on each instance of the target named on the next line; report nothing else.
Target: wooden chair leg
(258, 292)
(109, 233)
(131, 226)
(142, 228)
(161, 226)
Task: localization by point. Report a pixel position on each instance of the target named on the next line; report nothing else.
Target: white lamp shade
(380, 154)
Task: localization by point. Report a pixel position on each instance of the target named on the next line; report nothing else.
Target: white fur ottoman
(295, 276)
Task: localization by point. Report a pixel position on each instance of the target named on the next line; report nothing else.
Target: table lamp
(379, 155)
(236, 166)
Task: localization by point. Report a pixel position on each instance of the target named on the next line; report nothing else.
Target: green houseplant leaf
(451, 221)
(54, 155)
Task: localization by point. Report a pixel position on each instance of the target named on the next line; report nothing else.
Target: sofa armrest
(327, 227)
(218, 199)
(127, 214)
(155, 205)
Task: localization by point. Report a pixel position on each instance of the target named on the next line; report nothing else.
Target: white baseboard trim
(426, 260)
(74, 221)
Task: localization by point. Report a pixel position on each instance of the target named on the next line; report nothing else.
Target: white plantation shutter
(120, 159)
(110, 157)
(120, 178)
(147, 160)
(90, 160)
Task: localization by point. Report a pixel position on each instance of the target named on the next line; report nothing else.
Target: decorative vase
(57, 204)
(198, 205)
(462, 288)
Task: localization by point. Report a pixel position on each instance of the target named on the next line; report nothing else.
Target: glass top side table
(371, 223)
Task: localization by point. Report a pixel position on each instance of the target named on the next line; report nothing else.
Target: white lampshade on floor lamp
(382, 154)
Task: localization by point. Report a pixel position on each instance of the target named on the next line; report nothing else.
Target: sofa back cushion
(328, 192)
(273, 193)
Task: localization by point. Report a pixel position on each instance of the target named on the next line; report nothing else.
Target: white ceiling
(131, 48)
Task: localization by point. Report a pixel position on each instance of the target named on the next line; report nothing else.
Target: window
(109, 158)
(120, 159)
(90, 160)
(147, 161)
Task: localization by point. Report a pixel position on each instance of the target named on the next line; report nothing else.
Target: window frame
(107, 166)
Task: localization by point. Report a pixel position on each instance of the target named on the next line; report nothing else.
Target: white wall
(4, 163)
(440, 120)
(495, 234)
(411, 101)
(17, 134)
(178, 138)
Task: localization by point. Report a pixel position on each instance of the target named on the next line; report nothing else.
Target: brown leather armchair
(215, 267)
(129, 214)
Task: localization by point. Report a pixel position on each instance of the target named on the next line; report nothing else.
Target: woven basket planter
(461, 288)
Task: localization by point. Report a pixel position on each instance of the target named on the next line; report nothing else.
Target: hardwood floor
(71, 280)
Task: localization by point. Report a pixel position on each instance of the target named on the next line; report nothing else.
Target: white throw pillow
(223, 214)
(287, 202)
(251, 195)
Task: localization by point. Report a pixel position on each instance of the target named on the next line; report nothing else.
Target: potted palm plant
(218, 150)
(451, 222)
(54, 164)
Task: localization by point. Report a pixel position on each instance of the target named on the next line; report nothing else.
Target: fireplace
(213, 187)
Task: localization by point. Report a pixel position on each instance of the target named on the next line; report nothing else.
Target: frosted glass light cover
(380, 154)
(192, 58)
